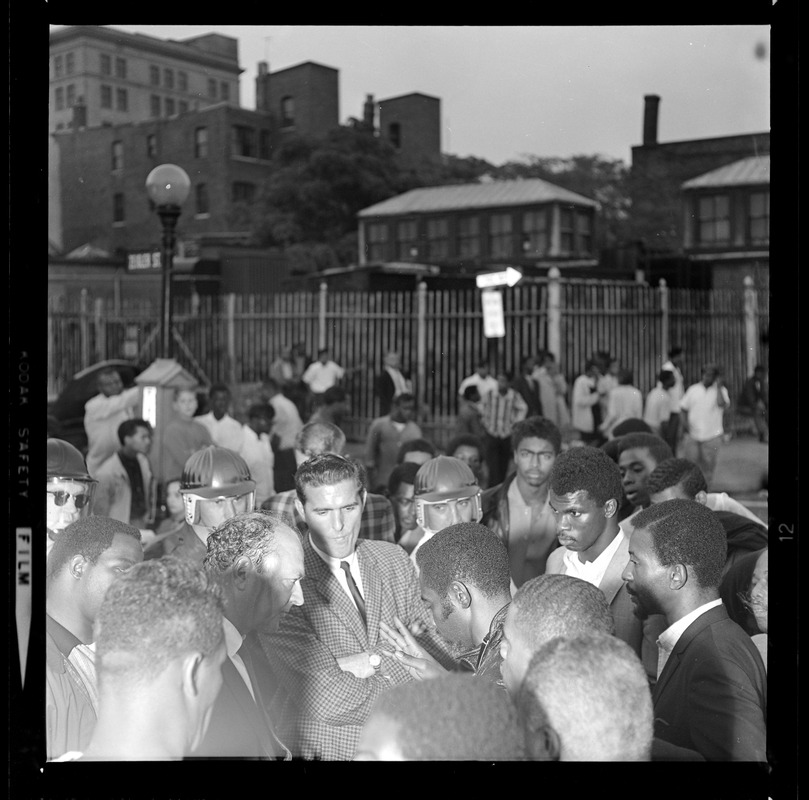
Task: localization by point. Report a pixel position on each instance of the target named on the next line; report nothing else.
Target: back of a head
(416, 446)
(402, 473)
(454, 717)
(554, 605)
(587, 469)
(686, 532)
(625, 377)
(88, 537)
(592, 692)
(679, 472)
(631, 425)
(334, 394)
(160, 610)
(658, 449)
(466, 440)
(468, 552)
(261, 411)
(316, 438)
(328, 469)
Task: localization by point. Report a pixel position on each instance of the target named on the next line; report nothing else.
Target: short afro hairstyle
(539, 428)
(677, 472)
(130, 426)
(631, 425)
(416, 446)
(454, 717)
(686, 532)
(160, 610)
(466, 440)
(402, 473)
(88, 537)
(658, 449)
(552, 605)
(466, 552)
(587, 469)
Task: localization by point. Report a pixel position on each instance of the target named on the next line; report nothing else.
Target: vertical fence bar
(100, 330)
(555, 312)
(321, 315)
(750, 323)
(664, 320)
(421, 347)
(230, 313)
(84, 329)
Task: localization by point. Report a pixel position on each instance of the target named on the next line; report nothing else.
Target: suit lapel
(372, 588)
(612, 582)
(236, 685)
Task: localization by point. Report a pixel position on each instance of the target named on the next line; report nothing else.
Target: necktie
(355, 592)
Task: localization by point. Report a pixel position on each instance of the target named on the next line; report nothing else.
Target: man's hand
(361, 665)
(420, 664)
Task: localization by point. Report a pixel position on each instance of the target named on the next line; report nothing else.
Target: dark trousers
(498, 456)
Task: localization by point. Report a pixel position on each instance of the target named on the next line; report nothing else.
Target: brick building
(411, 123)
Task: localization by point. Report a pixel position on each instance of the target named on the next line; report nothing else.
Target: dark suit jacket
(712, 694)
(385, 390)
(530, 394)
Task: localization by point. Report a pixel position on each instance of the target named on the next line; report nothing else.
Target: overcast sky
(507, 91)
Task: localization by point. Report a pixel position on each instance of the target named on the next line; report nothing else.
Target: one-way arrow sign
(508, 276)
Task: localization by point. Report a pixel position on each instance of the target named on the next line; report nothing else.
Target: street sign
(494, 324)
(507, 277)
(140, 262)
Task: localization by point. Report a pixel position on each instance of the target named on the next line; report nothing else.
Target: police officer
(70, 488)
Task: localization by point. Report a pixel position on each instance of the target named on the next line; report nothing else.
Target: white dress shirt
(233, 641)
(591, 571)
(225, 432)
(669, 638)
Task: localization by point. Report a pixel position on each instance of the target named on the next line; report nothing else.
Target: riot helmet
(446, 492)
(70, 488)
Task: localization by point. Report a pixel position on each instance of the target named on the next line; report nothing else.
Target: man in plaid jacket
(328, 655)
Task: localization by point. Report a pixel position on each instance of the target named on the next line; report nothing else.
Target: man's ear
(299, 507)
(610, 508)
(363, 498)
(191, 667)
(678, 576)
(77, 565)
(542, 742)
(702, 497)
(459, 594)
(240, 569)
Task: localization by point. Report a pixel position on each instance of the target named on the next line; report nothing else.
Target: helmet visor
(213, 511)
(435, 515)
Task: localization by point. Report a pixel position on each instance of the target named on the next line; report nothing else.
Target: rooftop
(753, 171)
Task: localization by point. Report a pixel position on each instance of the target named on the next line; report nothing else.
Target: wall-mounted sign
(494, 325)
(139, 262)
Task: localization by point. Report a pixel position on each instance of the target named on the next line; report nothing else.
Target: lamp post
(168, 186)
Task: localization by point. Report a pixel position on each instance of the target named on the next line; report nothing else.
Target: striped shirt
(500, 412)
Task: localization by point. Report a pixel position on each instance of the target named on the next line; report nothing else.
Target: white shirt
(320, 376)
(484, 385)
(225, 432)
(658, 407)
(669, 638)
(102, 416)
(591, 571)
(287, 421)
(257, 452)
(334, 566)
(676, 391)
(233, 641)
(704, 415)
(401, 385)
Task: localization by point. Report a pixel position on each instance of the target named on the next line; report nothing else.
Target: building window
(120, 68)
(212, 88)
(106, 96)
(71, 95)
(183, 106)
(759, 217)
(121, 100)
(377, 242)
(566, 231)
(395, 134)
(535, 233)
(224, 90)
(584, 233)
(201, 143)
(202, 198)
(58, 64)
(713, 214)
(70, 63)
(154, 75)
(168, 78)
(182, 81)
(437, 241)
(243, 192)
(287, 112)
(154, 102)
(59, 98)
(170, 106)
(468, 237)
(151, 146)
(106, 64)
(500, 240)
(244, 141)
(118, 207)
(264, 144)
(117, 155)
(407, 245)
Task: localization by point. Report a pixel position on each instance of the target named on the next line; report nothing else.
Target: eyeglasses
(61, 497)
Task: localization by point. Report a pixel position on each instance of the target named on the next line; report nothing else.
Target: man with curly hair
(711, 690)
(585, 492)
(257, 560)
(450, 718)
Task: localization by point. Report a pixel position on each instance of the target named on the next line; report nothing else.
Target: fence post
(750, 323)
(555, 312)
(84, 329)
(421, 346)
(664, 320)
(230, 312)
(100, 330)
(321, 316)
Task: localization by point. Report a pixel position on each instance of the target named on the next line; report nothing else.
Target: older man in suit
(257, 560)
(711, 690)
(328, 654)
(585, 492)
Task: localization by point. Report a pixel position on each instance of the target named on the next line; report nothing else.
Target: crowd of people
(557, 581)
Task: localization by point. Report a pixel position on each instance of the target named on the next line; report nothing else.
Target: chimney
(369, 112)
(650, 109)
(263, 87)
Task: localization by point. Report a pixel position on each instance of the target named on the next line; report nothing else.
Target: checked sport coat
(320, 709)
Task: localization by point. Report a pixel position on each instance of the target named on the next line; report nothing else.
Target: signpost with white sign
(494, 324)
(508, 277)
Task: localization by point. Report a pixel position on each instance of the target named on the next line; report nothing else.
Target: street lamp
(168, 186)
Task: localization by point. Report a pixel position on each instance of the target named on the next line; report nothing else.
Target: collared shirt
(658, 407)
(591, 571)
(233, 642)
(669, 638)
(225, 432)
(334, 566)
(102, 416)
(705, 416)
(320, 376)
(500, 412)
(676, 392)
(257, 452)
(489, 658)
(287, 421)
